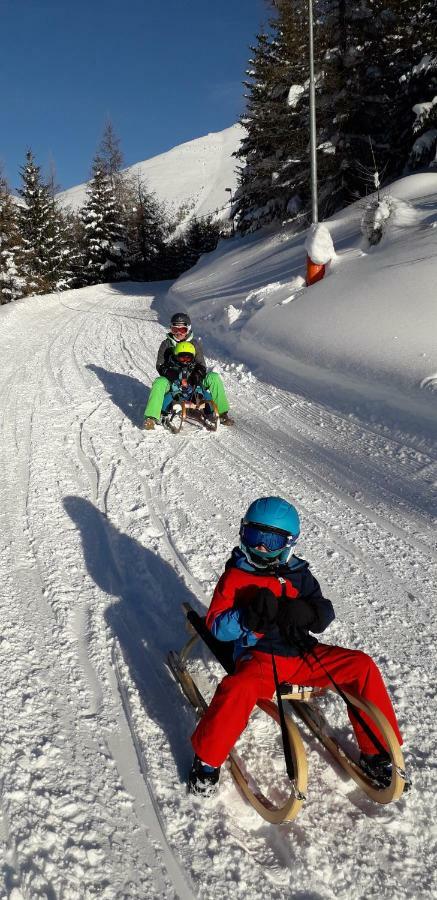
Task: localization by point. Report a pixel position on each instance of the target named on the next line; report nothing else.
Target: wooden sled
(302, 702)
(192, 409)
(265, 807)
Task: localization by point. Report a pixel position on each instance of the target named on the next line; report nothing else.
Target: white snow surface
(106, 530)
(194, 175)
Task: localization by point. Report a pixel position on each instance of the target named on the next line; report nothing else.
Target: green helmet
(185, 352)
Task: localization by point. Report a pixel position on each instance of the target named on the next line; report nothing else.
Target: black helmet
(180, 326)
(180, 319)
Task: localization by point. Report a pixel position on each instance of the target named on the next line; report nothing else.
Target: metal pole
(313, 139)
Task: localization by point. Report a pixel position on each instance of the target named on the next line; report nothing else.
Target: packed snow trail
(104, 532)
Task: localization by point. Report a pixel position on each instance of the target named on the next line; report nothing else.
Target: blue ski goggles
(272, 539)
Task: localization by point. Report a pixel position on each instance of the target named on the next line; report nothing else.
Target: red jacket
(239, 584)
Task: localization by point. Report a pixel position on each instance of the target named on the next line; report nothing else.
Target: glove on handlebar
(262, 611)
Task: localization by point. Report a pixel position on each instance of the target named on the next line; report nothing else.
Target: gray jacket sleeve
(161, 360)
(200, 359)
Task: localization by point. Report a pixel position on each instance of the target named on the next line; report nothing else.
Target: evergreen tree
(36, 228)
(274, 182)
(146, 236)
(375, 65)
(201, 236)
(421, 85)
(12, 284)
(104, 238)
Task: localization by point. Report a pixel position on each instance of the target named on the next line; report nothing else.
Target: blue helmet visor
(259, 536)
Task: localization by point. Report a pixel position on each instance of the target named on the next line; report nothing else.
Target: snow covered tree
(105, 215)
(375, 66)
(12, 284)
(421, 85)
(274, 181)
(104, 238)
(36, 227)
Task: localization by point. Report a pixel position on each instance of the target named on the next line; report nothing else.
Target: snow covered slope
(193, 175)
(366, 336)
(105, 530)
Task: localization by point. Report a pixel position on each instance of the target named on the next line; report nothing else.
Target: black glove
(171, 373)
(295, 615)
(261, 612)
(197, 375)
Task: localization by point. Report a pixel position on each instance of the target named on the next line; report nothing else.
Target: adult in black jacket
(180, 330)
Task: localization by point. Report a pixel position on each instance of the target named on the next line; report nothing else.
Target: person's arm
(224, 620)
(323, 610)
(161, 361)
(310, 611)
(166, 364)
(199, 362)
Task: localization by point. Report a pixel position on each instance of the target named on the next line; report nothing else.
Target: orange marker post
(315, 271)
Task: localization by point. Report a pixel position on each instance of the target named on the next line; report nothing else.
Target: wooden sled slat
(315, 720)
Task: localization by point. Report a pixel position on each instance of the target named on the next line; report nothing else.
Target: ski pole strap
(353, 709)
(284, 730)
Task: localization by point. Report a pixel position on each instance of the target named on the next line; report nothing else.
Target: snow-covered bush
(374, 219)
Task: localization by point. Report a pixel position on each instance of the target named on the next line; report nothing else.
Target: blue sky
(163, 71)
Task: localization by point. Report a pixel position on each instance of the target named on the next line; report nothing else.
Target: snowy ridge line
(178, 875)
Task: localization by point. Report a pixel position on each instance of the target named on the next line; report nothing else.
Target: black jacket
(166, 364)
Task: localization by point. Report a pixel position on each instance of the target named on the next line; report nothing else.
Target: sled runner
(302, 700)
(185, 402)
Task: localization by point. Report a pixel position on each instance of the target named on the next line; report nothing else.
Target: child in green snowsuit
(180, 330)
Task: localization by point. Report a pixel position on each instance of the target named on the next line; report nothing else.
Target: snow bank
(370, 326)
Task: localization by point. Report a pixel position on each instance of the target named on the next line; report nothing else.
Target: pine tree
(36, 227)
(146, 236)
(375, 66)
(12, 284)
(104, 238)
(421, 85)
(274, 182)
(201, 236)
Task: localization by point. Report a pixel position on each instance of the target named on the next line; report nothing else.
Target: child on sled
(167, 367)
(267, 601)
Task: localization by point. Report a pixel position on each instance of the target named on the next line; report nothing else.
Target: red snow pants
(236, 696)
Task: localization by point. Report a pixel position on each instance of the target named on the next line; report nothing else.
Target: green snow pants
(161, 385)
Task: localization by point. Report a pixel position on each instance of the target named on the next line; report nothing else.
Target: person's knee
(211, 378)
(162, 382)
(240, 685)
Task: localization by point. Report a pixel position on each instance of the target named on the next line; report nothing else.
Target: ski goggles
(272, 539)
(185, 358)
(179, 331)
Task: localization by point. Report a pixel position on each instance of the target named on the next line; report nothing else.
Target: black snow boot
(226, 419)
(203, 779)
(378, 767)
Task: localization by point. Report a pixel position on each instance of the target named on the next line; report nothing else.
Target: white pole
(313, 138)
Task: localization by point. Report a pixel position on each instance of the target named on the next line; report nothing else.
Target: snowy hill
(105, 530)
(367, 332)
(193, 175)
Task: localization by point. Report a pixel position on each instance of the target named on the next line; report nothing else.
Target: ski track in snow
(104, 532)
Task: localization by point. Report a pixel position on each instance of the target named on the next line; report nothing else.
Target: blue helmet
(269, 531)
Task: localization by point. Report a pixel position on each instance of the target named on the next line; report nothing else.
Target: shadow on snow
(145, 617)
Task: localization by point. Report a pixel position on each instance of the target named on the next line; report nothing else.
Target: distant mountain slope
(195, 174)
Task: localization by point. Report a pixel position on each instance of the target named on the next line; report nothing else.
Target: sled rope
(284, 731)
(304, 651)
